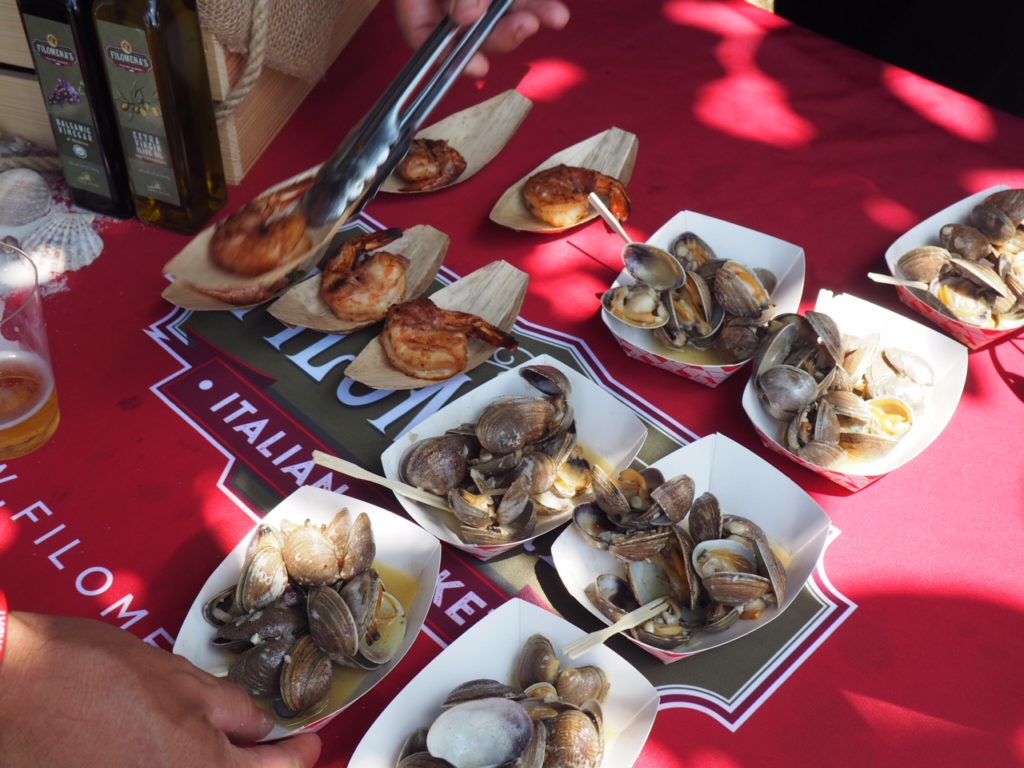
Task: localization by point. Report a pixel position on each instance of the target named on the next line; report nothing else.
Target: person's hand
(75, 692)
(417, 19)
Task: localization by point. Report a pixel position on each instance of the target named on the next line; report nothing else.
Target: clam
(848, 406)
(540, 471)
(739, 290)
(892, 417)
(331, 623)
(909, 364)
(437, 464)
(422, 760)
(822, 454)
(1010, 202)
(612, 596)
(694, 305)
(310, 556)
(595, 525)
(455, 735)
(475, 510)
(859, 354)
(926, 263)
(264, 576)
(692, 251)
(362, 594)
(867, 446)
(607, 495)
(652, 578)
(641, 545)
(984, 275)
(675, 497)
(722, 556)
(776, 347)
(653, 266)
(480, 688)
(574, 740)
(639, 306)
(963, 300)
(1011, 270)
(785, 389)
(258, 669)
(514, 502)
(666, 630)
(739, 338)
(962, 239)
(547, 379)
(705, 519)
(415, 743)
(768, 279)
(828, 333)
(509, 424)
(993, 223)
(718, 617)
(684, 547)
(816, 422)
(768, 563)
(305, 677)
(283, 618)
(359, 550)
(578, 684)
(732, 588)
(384, 636)
(537, 662)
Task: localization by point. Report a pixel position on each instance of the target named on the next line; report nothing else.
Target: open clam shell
(302, 304)
(479, 133)
(494, 292)
(194, 270)
(612, 152)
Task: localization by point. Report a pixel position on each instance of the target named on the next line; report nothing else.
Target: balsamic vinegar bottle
(152, 51)
(63, 44)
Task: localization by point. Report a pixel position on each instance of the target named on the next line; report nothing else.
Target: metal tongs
(354, 173)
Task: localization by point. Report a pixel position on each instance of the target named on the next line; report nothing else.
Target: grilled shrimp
(558, 195)
(360, 287)
(261, 234)
(427, 342)
(430, 163)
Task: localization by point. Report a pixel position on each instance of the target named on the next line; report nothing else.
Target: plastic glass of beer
(28, 398)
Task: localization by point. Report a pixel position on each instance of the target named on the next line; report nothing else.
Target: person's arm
(417, 18)
(81, 693)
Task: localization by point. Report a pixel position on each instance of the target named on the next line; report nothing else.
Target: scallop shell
(24, 197)
(63, 243)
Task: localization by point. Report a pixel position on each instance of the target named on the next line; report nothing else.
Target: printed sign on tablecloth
(270, 395)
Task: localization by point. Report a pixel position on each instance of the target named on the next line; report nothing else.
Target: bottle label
(60, 77)
(129, 69)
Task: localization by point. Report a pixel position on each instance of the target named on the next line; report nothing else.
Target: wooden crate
(244, 135)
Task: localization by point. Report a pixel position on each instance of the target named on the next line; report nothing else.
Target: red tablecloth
(740, 116)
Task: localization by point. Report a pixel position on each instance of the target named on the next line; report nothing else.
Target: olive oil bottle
(66, 55)
(152, 52)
